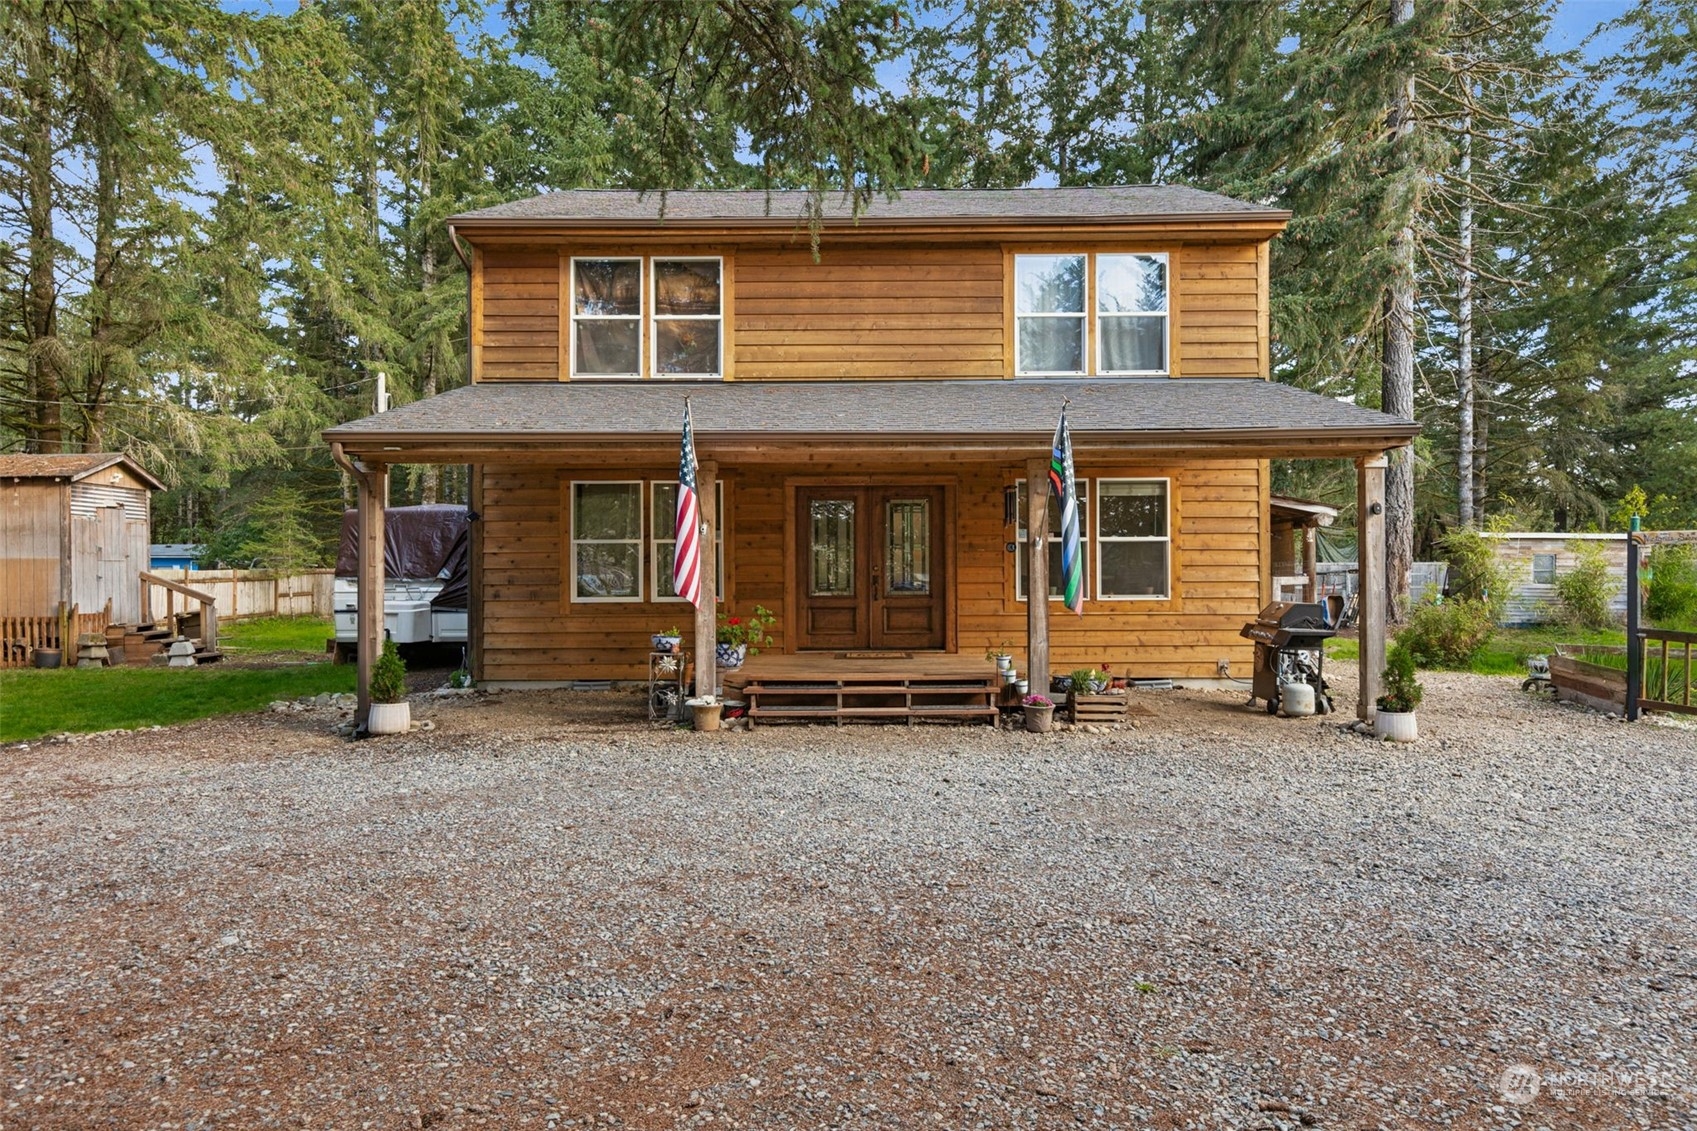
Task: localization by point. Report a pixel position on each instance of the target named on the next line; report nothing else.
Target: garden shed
(1536, 560)
(73, 531)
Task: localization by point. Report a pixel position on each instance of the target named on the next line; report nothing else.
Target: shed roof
(683, 208)
(925, 413)
(73, 466)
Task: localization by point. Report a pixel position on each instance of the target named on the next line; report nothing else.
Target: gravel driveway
(541, 915)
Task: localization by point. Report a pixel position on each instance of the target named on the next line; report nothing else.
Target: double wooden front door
(869, 568)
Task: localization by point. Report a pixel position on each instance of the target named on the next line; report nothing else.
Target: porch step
(871, 696)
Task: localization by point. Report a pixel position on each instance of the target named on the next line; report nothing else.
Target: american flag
(686, 558)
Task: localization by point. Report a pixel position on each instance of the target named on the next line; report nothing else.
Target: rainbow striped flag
(1064, 487)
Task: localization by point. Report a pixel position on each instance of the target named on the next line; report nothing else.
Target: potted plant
(741, 637)
(669, 641)
(1039, 713)
(390, 711)
(1003, 655)
(1401, 694)
(705, 712)
(1089, 681)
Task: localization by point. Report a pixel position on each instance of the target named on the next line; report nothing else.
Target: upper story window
(1049, 309)
(688, 318)
(661, 317)
(1056, 296)
(607, 317)
(1131, 314)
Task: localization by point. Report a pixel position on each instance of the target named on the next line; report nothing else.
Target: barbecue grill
(1290, 647)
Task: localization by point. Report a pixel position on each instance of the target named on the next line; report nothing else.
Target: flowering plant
(1038, 701)
(752, 631)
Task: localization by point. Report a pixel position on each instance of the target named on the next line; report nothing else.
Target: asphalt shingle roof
(868, 409)
(931, 206)
(55, 465)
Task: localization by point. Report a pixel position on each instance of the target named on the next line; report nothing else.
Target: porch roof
(502, 421)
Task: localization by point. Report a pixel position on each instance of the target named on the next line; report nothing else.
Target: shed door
(869, 568)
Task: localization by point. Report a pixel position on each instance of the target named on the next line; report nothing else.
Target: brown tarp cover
(418, 543)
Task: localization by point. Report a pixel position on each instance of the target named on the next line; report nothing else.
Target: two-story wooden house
(868, 422)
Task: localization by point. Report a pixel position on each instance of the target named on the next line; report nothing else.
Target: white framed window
(1057, 582)
(607, 540)
(1133, 539)
(1131, 313)
(664, 523)
(1049, 314)
(607, 317)
(688, 319)
(1543, 569)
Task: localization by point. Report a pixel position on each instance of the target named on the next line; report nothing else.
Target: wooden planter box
(1597, 686)
(1106, 708)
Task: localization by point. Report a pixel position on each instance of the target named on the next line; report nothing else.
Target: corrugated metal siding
(86, 498)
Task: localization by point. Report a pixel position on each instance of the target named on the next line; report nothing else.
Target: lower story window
(666, 540)
(1543, 569)
(607, 541)
(1057, 579)
(1133, 539)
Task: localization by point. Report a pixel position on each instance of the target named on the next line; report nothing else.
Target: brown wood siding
(868, 313)
(1220, 312)
(531, 630)
(520, 323)
(30, 523)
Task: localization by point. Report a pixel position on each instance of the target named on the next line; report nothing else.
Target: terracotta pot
(1039, 720)
(707, 714)
(389, 718)
(1396, 726)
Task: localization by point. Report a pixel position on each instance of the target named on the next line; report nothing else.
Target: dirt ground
(545, 912)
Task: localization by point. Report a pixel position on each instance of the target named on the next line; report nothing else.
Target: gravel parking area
(540, 914)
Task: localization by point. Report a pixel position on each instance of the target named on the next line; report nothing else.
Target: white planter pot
(389, 718)
(1396, 726)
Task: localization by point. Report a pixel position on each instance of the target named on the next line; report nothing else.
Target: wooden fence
(1666, 670)
(21, 636)
(245, 593)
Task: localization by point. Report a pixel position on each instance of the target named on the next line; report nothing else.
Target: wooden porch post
(1370, 558)
(1037, 574)
(373, 492)
(1311, 562)
(707, 613)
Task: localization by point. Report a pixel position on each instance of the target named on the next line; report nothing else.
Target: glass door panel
(831, 552)
(907, 546)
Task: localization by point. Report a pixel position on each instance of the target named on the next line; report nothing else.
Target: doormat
(877, 655)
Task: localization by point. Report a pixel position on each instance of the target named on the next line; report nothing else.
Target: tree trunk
(1396, 361)
(1464, 335)
(97, 369)
(44, 368)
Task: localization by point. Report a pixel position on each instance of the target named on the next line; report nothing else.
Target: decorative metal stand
(666, 687)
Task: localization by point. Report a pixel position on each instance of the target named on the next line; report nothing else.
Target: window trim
(640, 541)
(1022, 539)
(1166, 539)
(640, 318)
(1082, 315)
(1092, 366)
(654, 317)
(655, 542)
(1165, 314)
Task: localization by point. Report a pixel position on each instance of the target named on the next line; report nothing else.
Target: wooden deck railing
(21, 636)
(1666, 670)
(208, 606)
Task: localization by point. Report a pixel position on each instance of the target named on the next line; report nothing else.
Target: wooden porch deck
(844, 687)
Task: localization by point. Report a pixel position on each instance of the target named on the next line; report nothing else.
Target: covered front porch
(935, 493)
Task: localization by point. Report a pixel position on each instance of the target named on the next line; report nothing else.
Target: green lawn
(1506, 652)
(275, 634)
(34, 703)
